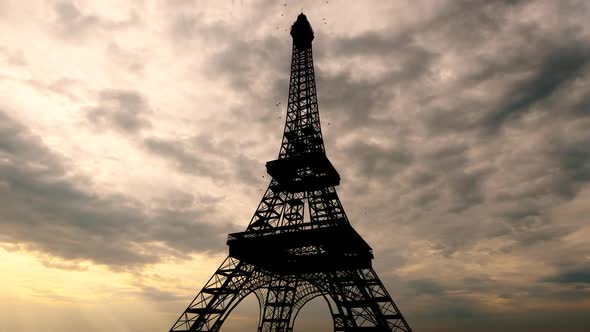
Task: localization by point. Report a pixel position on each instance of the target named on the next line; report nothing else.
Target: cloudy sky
(133, 137)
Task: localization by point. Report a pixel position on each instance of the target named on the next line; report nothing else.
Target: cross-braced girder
(299, 244)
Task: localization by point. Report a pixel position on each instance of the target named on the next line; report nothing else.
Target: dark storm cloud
(371, 43)
(425, 286)
(468, 188)
(123, 110)
(374, 160)
(451, 311)
(128, 112)
(571, 156)
(561, 66)
(349, 100)
(185, 156)
(46, 210)
(355, 102)
(239, 63)
(199, 155)
(577, 276)
(530, 78)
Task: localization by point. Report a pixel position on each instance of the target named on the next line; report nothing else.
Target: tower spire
(302, 32)
(302, 127)
(302, 163)
(285, 259)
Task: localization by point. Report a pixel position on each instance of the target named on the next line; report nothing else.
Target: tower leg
(364, 304)
(232, 281)
(278, 307)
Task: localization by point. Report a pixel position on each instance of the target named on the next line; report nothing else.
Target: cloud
(569, 156)
(577, 276)
(375, 160)
(12, 57)
(183, 154)
(122, 110)
(199, 155)
(128, 112)
(159, 296)
(562, 65)
(73, 24)
(46, 209)
(425, 286)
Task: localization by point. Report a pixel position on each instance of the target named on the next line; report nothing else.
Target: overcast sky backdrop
(133, 137)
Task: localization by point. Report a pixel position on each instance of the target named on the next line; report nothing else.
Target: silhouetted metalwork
(285, 259)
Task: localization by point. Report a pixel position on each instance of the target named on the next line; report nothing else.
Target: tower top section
(302, 32)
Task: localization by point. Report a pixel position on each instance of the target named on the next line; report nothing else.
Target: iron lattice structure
(285, 259)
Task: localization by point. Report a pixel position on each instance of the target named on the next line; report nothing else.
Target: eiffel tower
(285, 259)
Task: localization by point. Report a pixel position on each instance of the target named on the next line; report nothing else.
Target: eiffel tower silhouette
(285, 259)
